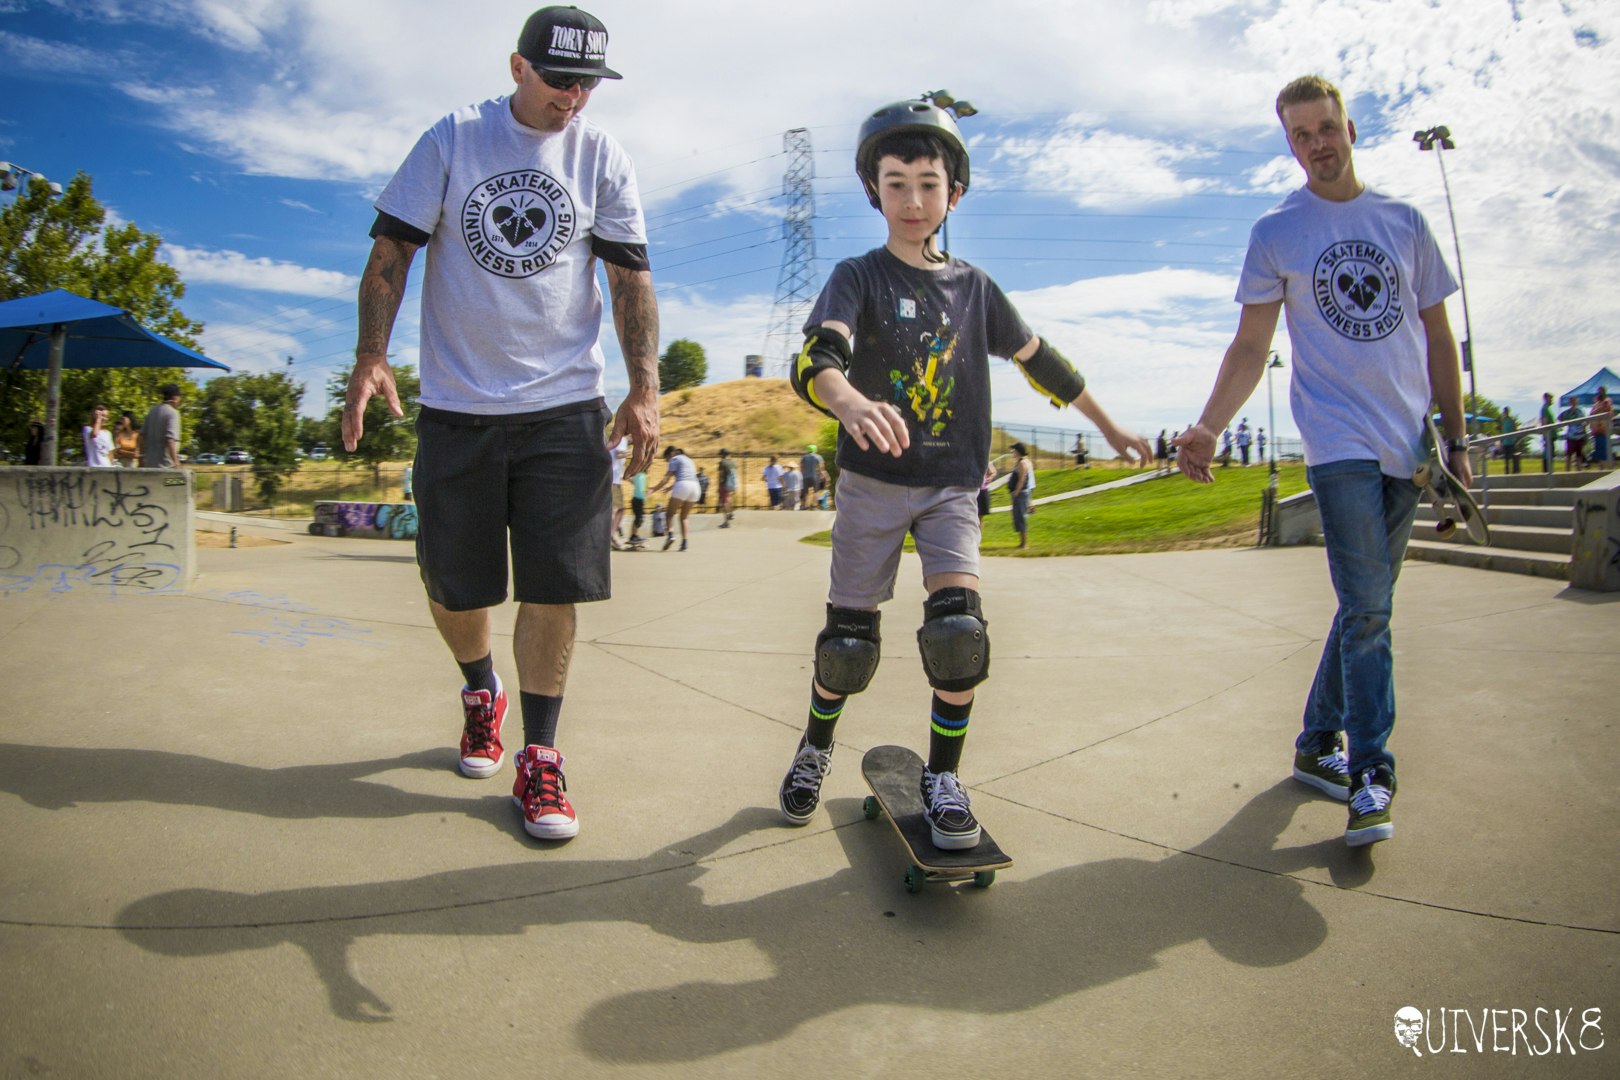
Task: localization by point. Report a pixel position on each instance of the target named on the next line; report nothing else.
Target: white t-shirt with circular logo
(511, 311)
(1352, 277)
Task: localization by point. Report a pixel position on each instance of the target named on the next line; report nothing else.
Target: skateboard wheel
(916, 878)
(1445, 528)
(983, 879)
(871, 808)
(1421, 477)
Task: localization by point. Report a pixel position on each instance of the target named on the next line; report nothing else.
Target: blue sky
(1121, 154)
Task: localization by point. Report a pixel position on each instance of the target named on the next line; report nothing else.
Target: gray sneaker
(945, 805)
(1324, 765)
(800, 793)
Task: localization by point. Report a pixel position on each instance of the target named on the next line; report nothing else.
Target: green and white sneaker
(1370, 796)
(1324, 765)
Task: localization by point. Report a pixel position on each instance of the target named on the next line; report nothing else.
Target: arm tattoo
(635, 316)
(382, 288)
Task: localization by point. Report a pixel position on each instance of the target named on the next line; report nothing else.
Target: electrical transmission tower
(796, 284)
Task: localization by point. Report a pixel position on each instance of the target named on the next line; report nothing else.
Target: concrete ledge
(1298, 521)
(1595, 561)
(122, 531)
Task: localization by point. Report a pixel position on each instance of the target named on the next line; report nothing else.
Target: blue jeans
(1366, 521)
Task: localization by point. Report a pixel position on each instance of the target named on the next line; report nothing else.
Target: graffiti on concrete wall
(117, 533)
(370, 520)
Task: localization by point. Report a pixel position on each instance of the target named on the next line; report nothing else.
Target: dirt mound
(752, 416)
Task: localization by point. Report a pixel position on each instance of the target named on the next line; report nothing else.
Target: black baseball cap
(567, 41)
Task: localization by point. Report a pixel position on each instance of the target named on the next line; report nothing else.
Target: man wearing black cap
(515, 199)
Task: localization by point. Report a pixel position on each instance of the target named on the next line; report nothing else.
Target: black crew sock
(947, 729)
(824, 714)
(479, 674)
(540, 713)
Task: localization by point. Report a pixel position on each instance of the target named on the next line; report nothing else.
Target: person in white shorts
(681, 479)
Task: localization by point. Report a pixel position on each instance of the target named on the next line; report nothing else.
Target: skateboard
(1451, 501)
(892, 772)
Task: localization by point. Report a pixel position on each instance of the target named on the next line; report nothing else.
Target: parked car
(207, 459)
(319, 453)
(236, 455)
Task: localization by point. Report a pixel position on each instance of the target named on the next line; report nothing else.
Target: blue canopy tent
(35, 332)
(1586, 393)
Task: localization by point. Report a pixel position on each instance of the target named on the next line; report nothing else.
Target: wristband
(1454, 445)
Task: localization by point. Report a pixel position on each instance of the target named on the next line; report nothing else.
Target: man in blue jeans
(1364, 287)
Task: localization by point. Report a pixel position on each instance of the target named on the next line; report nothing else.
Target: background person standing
(98, 440)
(160, 433)
(127, 441)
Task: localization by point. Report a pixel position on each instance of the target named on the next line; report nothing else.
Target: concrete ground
(233, 843)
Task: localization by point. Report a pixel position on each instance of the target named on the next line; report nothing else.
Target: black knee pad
(847, 650)
(954, 640)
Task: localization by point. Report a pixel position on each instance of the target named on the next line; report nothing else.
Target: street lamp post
(1271, 413)
(1438, 139)
(14, 176)
(961, 110)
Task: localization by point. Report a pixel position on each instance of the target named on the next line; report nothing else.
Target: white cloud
(1111, 105)
(236, 270)
(1098, 168)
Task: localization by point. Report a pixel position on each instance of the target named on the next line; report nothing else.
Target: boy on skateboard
(1364, 287)
(897, 348)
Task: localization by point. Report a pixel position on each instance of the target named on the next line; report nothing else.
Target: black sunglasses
(567, 82)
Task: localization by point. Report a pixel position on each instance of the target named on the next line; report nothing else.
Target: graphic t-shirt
(511, 311)
(922, 341)
(1352, 277)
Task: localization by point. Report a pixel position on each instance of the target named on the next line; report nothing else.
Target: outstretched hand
(1129, 445)
(1195, 449)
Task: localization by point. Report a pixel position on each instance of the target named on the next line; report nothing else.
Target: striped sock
(945, 735)
(824, 714)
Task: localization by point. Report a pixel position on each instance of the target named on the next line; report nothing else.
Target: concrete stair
(1531, 516)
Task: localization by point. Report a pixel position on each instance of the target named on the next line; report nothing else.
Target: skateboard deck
(1452, 503)
(892, 772)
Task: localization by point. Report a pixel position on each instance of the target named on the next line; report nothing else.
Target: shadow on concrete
(848, 939)
(1587, 596)
(342, 556)
(55, 778)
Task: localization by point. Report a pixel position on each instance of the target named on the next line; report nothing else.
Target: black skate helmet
(921, 116)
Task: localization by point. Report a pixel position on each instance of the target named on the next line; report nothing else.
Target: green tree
(387, 437)
(49, 242)
(258, 413)
(683, 364)
(1475, 405)
(313, 432)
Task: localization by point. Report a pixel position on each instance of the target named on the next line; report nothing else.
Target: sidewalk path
(233, 843)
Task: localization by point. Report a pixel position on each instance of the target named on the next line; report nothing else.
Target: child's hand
(873, 424)
(1128, 444)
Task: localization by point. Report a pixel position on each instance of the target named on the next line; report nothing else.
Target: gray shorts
(870, 531)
